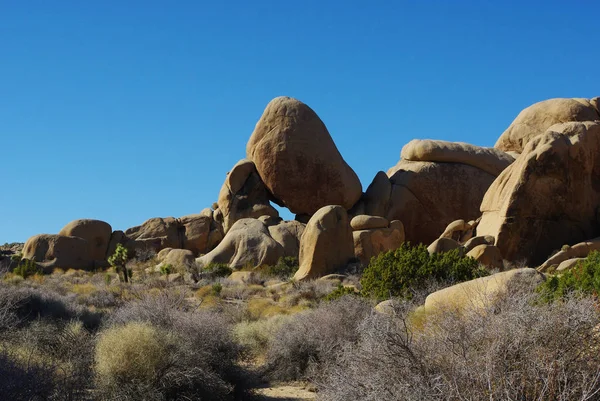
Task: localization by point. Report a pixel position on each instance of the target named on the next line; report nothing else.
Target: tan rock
(179, 258)
(243, 277)
(581, 250)
(537, 118)
(208, 212)
(487, 255)
(428, 196)
(298, 160)
(326, 244)
(51, 251)
(97, 234)
(479, 240)
(370, 243)
(196, 230)
(377, 196)
(364, 222)
(490, 160)
(481, 292)
(547, 198)
(288, 234)
(243, 195)
(162, 254)
(568, 264)
(117, 237)
(442, 245)
(388, 307)
(246, 243)
(456, 229)
(166, 229)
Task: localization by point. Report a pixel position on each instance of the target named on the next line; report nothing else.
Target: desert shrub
(27, 268)
(400, 272)
(255, 336)
(584, 278)
(285, 268)
(198, 346)
(302, 346)
(341, 291)
(517, 349)
(307, 292)
(216, 289)
(166, 269)
(217, 270)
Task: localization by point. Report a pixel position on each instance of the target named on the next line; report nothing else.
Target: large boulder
(243, 195)
(490, 160)
(487, 255)
(167, 229)
(52, 250)
(247, 242)
(97, 234)
(298, 160)
(288, 234)
(537, 118)
(196, 231)
(549, 197)
(366, 222)
(481, 292)
(427, 196)
(326, 244)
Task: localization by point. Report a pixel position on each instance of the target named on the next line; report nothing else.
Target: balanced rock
(243, 195)
(371, 242)
(537, 118)
(549, 197)
(427, 196)
(97, 234)
(52, 250)
(298, 161)
(247, 242)
(488, 256)
(490, 160)
(365, 222)
(326, 244)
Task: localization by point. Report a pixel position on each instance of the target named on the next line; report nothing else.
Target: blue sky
(126, 110)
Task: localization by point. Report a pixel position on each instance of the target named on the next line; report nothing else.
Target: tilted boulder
(427, 196)
(577, 251)
(487, 255)
(97, 234)
(326, 244)
(537, 118)
(490, 160)
(53, 250)
(288, 234)
(247, 242)
(549, 197)
(371, 242)
(243, 195)
(298, 161)
(442, 245)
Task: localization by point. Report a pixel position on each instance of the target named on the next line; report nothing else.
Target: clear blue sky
(126, 110)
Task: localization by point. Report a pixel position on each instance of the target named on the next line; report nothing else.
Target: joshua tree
(118, 261)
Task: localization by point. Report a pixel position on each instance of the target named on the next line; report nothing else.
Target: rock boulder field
(522, 201)
(298, 161)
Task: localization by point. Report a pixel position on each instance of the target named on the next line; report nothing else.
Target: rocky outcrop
(549, 197)
(298, 161)
(537, 118)
(326, 244)
(490, 160)
(247, 243)
(97, 234)
(243, 195)
(53, 250)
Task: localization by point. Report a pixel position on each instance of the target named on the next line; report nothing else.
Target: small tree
(118, 260)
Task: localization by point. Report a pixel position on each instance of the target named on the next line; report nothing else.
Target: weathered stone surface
(581, 250)
(370, 243)
(427, 196)
(490, 160)
(549, 197)
(243, 195)
(162, 254)
(479, 240)
(298, 160)
(52, 250)
(167, 229)
(96, 232)
(288, 234)
(442, 245)
(365, 222)
(247, 242)
(537, 118)
(326, 244)
(376, 198)
(487, 255)
(196, 230)
(480, 292)
(179, 258)
(568, 264)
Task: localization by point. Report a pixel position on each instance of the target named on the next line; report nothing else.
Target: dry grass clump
(255, 336)
(516, 349)
(301, 345)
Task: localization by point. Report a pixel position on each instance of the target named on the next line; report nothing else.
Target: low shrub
(27, 268)
(309, 341)
(255, 336)
(401, 272)
(341, 291)
(285, 268)
(215, 270)
(584, 278)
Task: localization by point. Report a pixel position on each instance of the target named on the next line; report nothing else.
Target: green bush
(285, 268)
(584, 278)
(166, 269)
(341, 291)
(216, 289)
(218, 269)
(399, 272)
(26, 268)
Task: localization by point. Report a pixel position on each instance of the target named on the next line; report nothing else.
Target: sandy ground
(285, 393)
